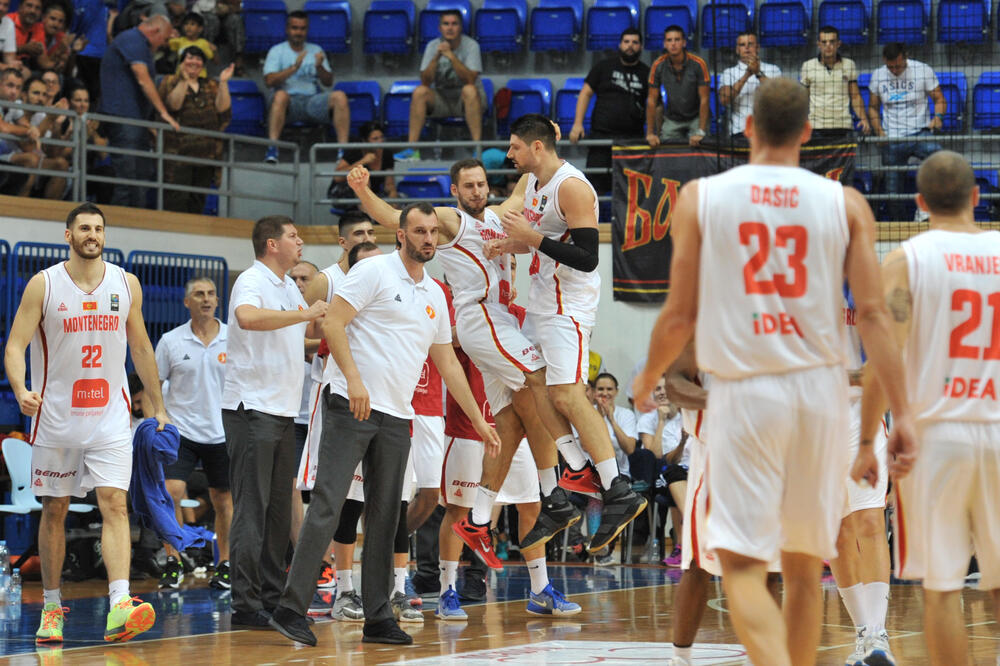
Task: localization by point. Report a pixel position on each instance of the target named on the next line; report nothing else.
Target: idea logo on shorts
(89, 393)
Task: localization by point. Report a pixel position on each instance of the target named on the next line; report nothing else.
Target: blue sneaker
(271, 156)
(408, 155)
(551, 602)
(449, 607)
(322, 602)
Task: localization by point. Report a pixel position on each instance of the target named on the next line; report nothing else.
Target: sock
(877, 603)
(683, 652)
(539, 574)
(854, 601)
(117, 589)
(345, 583)
(608, 471)
(399, 575)
(52, 597)
(572, 452)
(482, 509)
(449, 574)
(547, 480)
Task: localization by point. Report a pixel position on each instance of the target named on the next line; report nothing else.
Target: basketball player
(769, 332)
(943, 289)
(79, 316)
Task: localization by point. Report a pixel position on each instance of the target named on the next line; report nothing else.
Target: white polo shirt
(196, 373)
(397, 322)
(742, 105)
(264, 368)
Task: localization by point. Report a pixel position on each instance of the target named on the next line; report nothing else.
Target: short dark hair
(945, 180)
(349, 218)
(32, 79)
(675, 28)
(828, 29)
(10, 71)
(535, 127)
(352, 254)
(55, 5)
(297, 14)
(606, 375)
(268, 228)
(461, 165)
(893, 50)
(780, 110)
(134, 384)
(420, 207)
(747, 33)
(452, 12)
(366, 128)
(85, 208)
(193, 17)
(194, 51)
(630, 31)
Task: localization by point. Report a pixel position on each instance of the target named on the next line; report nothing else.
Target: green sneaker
(126, 621)
(51, 628)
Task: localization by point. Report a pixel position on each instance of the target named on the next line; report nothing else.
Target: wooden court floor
(623, 605)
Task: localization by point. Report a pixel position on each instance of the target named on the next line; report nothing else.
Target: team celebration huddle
(814, 387)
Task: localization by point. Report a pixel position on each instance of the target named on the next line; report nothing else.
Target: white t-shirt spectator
(397, 322)
(904, 97)
(626, 421)
(742, 105)
(264, 368)
(8, 39)
(196, 373)
(671, 437)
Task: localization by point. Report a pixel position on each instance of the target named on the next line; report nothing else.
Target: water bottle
(4, 581)
(14, 596)
(653, 557)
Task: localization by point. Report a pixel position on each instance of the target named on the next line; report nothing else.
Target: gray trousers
(381, 444)
(261, 465)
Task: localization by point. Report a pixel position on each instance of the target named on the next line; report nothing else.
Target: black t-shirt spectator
(377, 183)
(621, 91)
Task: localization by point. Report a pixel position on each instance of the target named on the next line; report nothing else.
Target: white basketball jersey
(555, 288)
(332, 273)
(693, 420)
(853, 352)
(773, 243)
(953, 352)
(472, 278)
(78, 361)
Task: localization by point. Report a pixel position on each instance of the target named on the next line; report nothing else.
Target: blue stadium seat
(430, 17)
(556, 25)
(963, 21)
(955, 90)
(722, 20)
(851, 18)
(989, 183)
(365, 100)
(249, 109)
(903, 21)
(565, 106)
(605, 21)
(330, 24)
(264, 21)
(783, 23)
(437, 185)
(396, 108)
(389, 26)
(660, 14)
(530, 96)
(864, 80)
(986, 102)
(500, 25)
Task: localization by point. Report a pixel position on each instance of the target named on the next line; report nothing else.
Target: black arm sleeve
(581, 254)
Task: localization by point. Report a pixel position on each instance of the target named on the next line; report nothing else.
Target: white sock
(854, 602)
(548, 480)
(572, 452)
(539, 574)
(608, 471)
(683, 652)
(52, 597)
(117, 589)
(877, 604)
(482, 508)
(399, 574)
(345, 582)
(449, 574)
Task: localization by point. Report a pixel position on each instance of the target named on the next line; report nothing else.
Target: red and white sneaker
(327, 580)
(585, 481)
(479, 539)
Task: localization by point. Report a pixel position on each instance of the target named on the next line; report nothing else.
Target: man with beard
(390, 303)
(79, 316)
(621, 84)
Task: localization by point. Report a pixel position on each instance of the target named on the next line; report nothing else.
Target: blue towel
(151, 502)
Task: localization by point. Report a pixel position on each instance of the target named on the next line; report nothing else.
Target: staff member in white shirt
(192, 357)
(264, 374)
(738, 83)
(389, 302)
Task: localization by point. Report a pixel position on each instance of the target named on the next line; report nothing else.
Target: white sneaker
(857, 657)
(878, 653)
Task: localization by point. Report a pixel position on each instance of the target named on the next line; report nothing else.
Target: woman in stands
(374, 158)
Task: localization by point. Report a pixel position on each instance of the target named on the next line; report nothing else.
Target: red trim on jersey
(496, 341)
(695, 550)
(45, 379)
(900, 530)
(479, 265)
(444, 477)
(697, 423)
(579, 351)
(312, 416)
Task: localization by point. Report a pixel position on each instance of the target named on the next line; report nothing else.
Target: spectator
(222, 17)
(620, 420)
(374, 159)
(8, 38)
(125, 70)
(16, 153)
(296, 69)
(51, 157)
(59, 45)
(621, 84)
(685, 77)
(201, 103)
(92, 24)
(449, 81)
(833, 88)
(903, 86)
(738, 83)
(192, 28)
(98, 163)
(53, 85)
(28, 30)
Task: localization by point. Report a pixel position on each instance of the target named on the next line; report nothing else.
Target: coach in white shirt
(386, 302)
(260, 400)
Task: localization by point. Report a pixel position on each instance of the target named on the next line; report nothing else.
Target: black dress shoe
(293, 626)
(249, 619)
(385, 631)
(423, 585)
